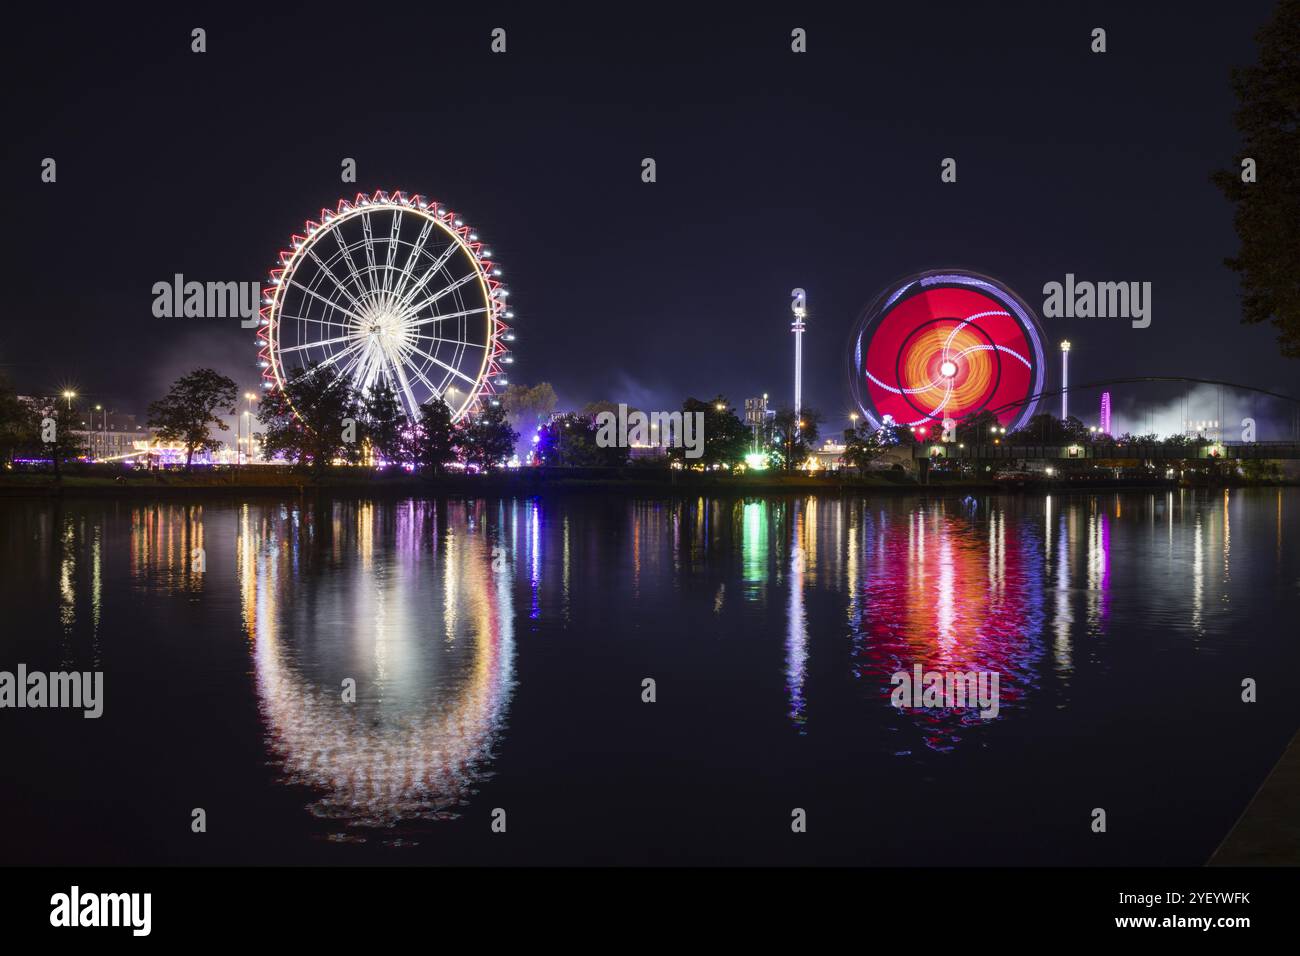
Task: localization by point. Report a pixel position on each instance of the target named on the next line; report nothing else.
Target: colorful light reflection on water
(772, 624)
(953, 591)
(416, 616)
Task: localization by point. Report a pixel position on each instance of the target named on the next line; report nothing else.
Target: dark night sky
(775, 170)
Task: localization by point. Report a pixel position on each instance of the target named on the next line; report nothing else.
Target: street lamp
(249, 397)
(69, 395)
(1065, 379)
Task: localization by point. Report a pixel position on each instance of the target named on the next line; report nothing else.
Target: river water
(381, 681)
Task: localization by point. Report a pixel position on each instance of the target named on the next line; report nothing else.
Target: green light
(756, 460)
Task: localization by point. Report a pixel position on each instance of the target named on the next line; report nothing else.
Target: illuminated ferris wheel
(946, 345)
(392, 289)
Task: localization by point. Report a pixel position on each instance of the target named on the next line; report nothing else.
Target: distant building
(1202, 428)
(106, 445)
(758, 416)
(109, 435)
(103, 433)
(830, 457)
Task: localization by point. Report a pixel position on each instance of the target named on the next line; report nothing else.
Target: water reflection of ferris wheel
(422, 730)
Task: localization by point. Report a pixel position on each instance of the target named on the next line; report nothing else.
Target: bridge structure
(1103, 447)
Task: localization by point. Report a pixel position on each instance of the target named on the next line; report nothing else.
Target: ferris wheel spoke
(434, 269)
(459, 343)
(347, 370)
(307, 318)
(383, 362)
(322, 342)
(372, 281)
(354, 272)
(392, 249)
(355, 370)
(433, 389)
(333, 359)
(444, 291)
(333, 305)
(333, 278)
(450, 315)
(339, 354)
(370, 366)
(377, 358)
(404, 386)
(416, 251)
(449, 368)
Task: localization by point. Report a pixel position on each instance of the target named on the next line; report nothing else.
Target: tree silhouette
(187, 412)
(1267, 217)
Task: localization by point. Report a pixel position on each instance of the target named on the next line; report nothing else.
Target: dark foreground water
(498, 649)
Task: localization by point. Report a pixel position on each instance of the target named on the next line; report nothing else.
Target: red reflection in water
(953, 595)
